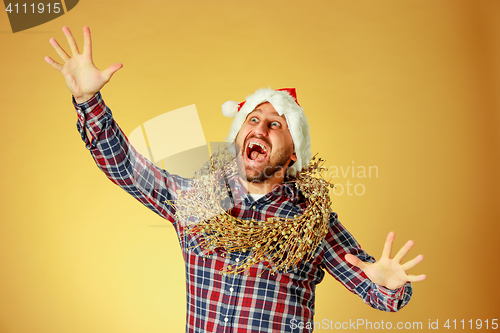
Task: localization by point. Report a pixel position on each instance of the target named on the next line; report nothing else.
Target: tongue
(254, 154)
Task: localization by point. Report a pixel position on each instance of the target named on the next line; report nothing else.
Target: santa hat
(285, 103)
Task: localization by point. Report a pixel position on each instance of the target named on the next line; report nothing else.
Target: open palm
(82, 77)
(389, 272)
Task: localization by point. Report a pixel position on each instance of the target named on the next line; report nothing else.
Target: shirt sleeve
(339, 242)
(122, 164)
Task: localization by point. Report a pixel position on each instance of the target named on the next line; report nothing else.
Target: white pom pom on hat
(230, 109)
(285, 103)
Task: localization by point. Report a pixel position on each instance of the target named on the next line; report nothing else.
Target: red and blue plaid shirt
(255, 302)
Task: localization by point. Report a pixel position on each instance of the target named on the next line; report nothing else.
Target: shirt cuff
(92, 114)
(397, 298)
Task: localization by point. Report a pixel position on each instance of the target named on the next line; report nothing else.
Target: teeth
(258, 144)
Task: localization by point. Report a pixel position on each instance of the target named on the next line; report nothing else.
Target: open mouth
(256, 151)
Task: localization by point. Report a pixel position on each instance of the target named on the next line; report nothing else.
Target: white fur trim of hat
(285, 103)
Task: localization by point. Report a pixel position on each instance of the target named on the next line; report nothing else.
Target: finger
(108, 72)
(71, 40)
(64, 56)
(53, 63)
(417, 278)
(404, 250)
(386, 253)
(353, 260)
(87, 42)
(412, 263)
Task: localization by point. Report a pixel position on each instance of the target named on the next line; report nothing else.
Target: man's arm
(122, 164)
(340, 244)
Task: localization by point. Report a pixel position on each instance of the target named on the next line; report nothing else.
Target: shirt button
(226, 319)
(231, 289)
(237, 259)
(253, 207)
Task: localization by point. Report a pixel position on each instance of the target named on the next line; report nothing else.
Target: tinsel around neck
(280, 243)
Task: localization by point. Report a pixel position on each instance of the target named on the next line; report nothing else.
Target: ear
(294, 157)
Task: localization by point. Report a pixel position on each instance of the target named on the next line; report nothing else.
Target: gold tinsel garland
(281, 243)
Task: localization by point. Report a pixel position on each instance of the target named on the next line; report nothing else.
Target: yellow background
(408, 86)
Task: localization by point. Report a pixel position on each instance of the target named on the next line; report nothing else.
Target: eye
(275, 124)
(254, 119)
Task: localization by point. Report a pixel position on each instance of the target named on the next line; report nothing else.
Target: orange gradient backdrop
(410, 87)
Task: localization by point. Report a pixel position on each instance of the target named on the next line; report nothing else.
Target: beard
(275, 164)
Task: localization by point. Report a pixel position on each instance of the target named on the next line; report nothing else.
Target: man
(234, 286)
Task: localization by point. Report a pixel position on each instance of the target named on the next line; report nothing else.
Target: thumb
(108, 72)
(353, 260)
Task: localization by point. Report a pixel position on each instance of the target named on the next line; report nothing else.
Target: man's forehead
(267, 108)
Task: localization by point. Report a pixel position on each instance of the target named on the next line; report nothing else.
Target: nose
(262, 129)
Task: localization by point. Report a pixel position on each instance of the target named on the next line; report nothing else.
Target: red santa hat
(285, 103)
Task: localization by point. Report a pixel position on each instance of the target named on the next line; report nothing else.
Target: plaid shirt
(256, 301)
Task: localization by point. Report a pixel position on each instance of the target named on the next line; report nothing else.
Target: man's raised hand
(82, 77)
(387, 271)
